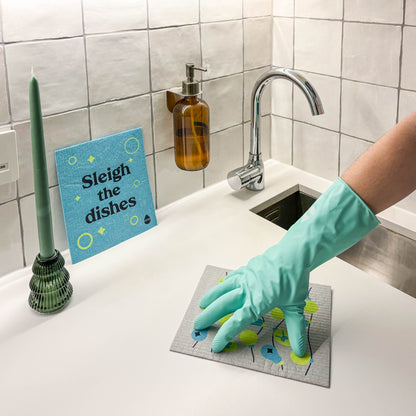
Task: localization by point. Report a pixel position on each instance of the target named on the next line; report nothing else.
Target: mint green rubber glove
(280, 276)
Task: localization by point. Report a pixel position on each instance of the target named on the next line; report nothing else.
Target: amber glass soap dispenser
(191, 125)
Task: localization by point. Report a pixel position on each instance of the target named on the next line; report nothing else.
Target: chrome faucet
(251, 175)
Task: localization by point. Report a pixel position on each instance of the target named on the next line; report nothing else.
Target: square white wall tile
(169, 56)
(222, 48)
(380, 11)
(322, 9)
(8, 191)
(368, 111)
(407, 103)
(409, 58)
(281, 139)
(118, 65)
(59, 66)
(328, 89)
(173, 183)
(315, 150)
(254, 8)
(265, 137)
(102, 16)
(117, 116)
(4, 101)
(30, 226)
(226, 154)
(410, 17)
(162, 122)
(250, 78)
(41, 19)
(283, 7)
(350, 150)
(11, 254)
(225, 99)
(318, 46)
(371, 53)
(217, 10)
(282, 43)
(60, 131)
(164, 13)
(282, 98)
(257, 42)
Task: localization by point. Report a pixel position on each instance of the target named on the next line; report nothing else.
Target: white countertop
(108, 352)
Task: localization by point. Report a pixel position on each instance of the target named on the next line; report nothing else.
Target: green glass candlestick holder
(49, 285)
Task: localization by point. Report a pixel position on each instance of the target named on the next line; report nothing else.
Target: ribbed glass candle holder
(49, 285)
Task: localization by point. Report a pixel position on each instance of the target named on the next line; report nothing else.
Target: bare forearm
(386, 172)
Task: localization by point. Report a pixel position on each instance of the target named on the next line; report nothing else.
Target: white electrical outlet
(9, 168)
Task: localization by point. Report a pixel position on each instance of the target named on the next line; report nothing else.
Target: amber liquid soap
(191, 130)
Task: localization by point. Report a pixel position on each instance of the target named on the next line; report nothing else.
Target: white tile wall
(173, 183)
(409, 58)
(323, 9)
(410, 17)
(226, 153)
(60, 131)
(281, 145)
(283, 42)
(257, 42)
(407, 103)
(360, 56)
(47, 20)
(104, 66)
(4, 103)
(253, 8)
(11, 248)
(168, 55)
(283, 7)
(115, 116)
(59, 66)
(118, 65)
(329, 91)
(164, 13)
(227, 94)
(318, 46)
(103, 16)
(222, 48)
(350, 150)
(368, 111)
(366, 57)
(217, 10)
(315, 150)
(380, 11)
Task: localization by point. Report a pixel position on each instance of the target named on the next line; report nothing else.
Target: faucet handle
(249, 176)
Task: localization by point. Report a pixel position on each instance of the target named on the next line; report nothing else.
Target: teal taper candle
(40, 174)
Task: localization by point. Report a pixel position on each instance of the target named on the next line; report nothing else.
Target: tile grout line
(86, 68)
(340, 90)
(152, 118)
(401, 60)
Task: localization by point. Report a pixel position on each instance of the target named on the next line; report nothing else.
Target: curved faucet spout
(251, 175)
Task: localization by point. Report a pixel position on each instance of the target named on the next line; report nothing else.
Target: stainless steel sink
(384, 254)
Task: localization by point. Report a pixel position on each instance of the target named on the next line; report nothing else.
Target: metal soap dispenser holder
(190, 123)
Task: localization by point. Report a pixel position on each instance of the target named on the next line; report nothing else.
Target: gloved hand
(280, 276)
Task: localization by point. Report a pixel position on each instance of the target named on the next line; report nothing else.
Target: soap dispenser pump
(191, 125)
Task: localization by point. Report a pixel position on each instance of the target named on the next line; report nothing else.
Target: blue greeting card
(105, 192)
